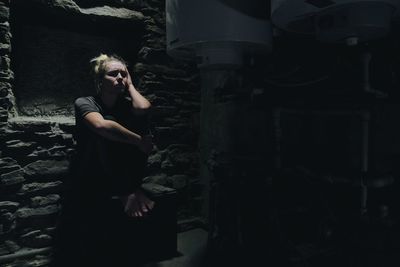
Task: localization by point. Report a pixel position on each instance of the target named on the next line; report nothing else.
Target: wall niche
(52, 50)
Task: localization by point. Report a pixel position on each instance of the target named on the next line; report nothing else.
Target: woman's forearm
(116, 132)
(138, 101)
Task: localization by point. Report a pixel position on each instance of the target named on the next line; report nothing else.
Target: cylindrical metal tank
(336, 21)
(214, 32)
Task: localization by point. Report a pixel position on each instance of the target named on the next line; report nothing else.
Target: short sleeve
(83, 106)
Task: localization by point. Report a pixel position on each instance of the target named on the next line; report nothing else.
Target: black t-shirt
(102, 166)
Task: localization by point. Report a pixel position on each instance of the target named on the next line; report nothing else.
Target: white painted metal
(214, 32)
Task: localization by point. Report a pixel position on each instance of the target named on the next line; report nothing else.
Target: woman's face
(115, 78)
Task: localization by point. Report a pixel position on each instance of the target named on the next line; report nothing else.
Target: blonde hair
(99, 67)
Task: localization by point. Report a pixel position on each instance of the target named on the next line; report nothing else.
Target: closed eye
(114, 73)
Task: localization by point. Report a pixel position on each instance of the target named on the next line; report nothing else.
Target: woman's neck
(109, 100)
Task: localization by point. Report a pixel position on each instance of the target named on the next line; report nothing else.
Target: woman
(106, 199)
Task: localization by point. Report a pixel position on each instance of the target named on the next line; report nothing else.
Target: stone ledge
(67, 11)
(37, 120)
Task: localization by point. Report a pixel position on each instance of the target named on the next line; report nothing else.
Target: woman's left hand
(128, 80)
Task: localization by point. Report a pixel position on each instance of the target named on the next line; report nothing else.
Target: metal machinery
(336, 21)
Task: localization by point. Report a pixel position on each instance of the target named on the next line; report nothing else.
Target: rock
(156, 31)
(68, 127)
(179, 147)
(5, 62)
(4, 12)
(5, 87)
(17, 148)
(153, 55)
(154, 161)
(4, 162)
(7, 134)
(9, 206)
(159, 69)
(8, 247)
(34, 189)
(31, 126)
(12, 178)
(66, 5)
(8, 222)
(116, 13)
(5, 48)
(7, 169)
(36, 239)
(179, 181)
(5, 102)
(50, 231)
(179, 158)
(160, 179)
(156, 189)
(46, 169)
(44, 201)
(167, 166)
(37, 217)
(3, 115)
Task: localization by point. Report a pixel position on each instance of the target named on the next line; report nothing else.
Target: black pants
(101, 235)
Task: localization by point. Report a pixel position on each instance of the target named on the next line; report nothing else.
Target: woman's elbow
(143, 108)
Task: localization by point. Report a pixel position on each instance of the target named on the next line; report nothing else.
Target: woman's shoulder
(85, 99)
(86, 104)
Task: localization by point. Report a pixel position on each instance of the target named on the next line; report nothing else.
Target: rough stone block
(8, 247)
(39, 201)
(18, 148)
(31, 126)
(7, 161)
(5, 62)
(9, 206)
(6, 134)
(56, 152)
(5, 102)
(10, 168)
(36, 239)
(12, 178)
(179, 182)
(4, 88)
(180, 158)
(8, 222)
(160, 179)
(5, 48)
(35, 189)
(152, 55)
(154, 161)
(3, 115)
(46, 169)
(37, 217)
(116, 13)
(67, 127)
(4, 12)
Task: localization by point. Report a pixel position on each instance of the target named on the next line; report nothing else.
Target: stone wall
(36, 147)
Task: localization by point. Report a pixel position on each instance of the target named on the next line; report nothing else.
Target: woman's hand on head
(128, 79)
